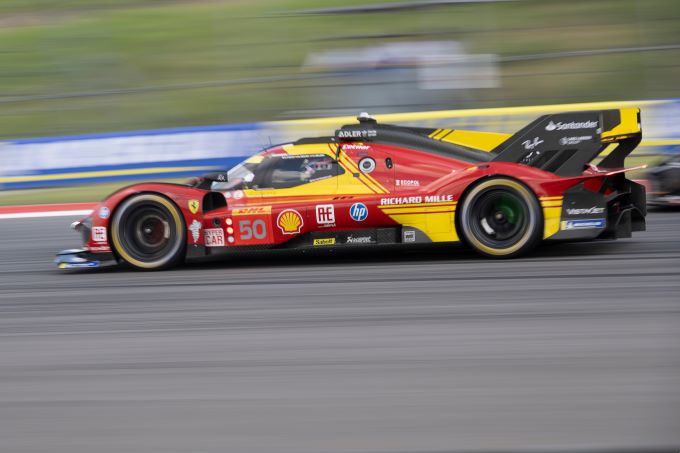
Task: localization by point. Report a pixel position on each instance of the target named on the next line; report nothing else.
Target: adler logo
(560, 126)
(357, 133)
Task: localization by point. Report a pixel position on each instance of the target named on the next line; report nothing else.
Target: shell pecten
(289, 221)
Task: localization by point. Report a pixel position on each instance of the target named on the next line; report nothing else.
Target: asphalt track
(576, 347)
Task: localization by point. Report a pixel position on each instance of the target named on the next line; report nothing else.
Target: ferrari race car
(373, 184)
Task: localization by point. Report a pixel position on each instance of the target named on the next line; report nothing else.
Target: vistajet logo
(582, 211)
(560, 126)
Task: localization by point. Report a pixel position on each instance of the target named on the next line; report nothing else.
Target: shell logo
(290, 221)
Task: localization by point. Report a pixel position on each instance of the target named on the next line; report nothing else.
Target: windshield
(238, 177)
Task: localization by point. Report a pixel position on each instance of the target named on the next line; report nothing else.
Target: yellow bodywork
(483, 141)
(627, 126)
(434, 219)
(552, 212)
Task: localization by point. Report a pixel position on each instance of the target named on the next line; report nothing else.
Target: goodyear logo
(254, 210)
(324, 241)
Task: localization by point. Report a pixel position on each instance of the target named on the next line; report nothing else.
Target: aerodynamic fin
(563, 143)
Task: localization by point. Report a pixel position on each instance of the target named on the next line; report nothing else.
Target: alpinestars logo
(560, 126)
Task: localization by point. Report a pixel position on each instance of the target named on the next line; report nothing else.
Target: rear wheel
(147, 232)
(501, 217)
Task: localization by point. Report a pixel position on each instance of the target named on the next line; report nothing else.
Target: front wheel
(147, 232)
(501, 217)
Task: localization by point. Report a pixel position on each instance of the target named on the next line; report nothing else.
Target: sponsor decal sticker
(77, 265)
(194, 205)
(99, 234)
(560, 126)
(195, 229)
(358, 212)
(238, 194)
(254, 210)
(104, 212)
(585, 224)
(99, 248)
(289, 221)
(409, 236)
(575, 140)
(352, 146)
(408, 183)
(214, 237)
(416, 200)
(325, 214)
(360, 240)
(324, 241)
(585, 211)
(531, 144)
(357, 134)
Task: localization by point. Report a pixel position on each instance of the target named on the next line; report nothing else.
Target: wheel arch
(487, 177)
(172, 200)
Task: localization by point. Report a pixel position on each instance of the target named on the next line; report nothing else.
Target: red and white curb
(46, 210)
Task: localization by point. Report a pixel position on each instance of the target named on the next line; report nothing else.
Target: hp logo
(358, 212)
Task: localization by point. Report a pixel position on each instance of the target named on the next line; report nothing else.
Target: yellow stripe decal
(354, 169)
(370, 181)
(434, 134)
(417, 205)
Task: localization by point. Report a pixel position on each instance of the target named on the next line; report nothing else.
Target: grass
(56, 54)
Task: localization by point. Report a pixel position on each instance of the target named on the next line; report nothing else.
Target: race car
(664, 183)
(372, 184)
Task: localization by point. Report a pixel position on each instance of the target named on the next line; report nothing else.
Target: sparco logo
(560, 126)
(584, 211)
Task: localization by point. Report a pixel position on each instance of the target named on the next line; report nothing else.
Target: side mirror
(206, 181)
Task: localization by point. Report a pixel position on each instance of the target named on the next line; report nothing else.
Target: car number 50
(252, 229)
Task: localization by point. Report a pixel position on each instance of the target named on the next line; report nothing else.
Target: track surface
(577, 346)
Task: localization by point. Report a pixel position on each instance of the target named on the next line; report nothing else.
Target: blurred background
(123, 69)
(78, 66)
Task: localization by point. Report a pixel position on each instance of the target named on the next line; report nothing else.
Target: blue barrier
(190, 151)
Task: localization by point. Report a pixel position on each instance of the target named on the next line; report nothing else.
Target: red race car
(374, 184)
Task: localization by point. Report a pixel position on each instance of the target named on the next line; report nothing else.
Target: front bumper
(81, 258)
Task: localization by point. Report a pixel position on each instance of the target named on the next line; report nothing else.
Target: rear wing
(563, 143)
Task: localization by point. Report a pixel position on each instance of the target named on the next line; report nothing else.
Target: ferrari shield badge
(193, 206)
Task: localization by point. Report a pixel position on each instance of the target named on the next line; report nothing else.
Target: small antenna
(365, 117)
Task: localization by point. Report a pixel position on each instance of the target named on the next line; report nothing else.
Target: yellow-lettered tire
(500, 217)
(148, 232)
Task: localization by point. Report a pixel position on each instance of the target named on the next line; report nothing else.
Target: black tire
(500, 218)
(148, 232)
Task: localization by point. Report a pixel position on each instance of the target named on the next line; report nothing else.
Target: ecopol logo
(358, 212)
(560, 126)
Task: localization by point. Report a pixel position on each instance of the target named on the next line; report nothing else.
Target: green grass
(58, 47)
